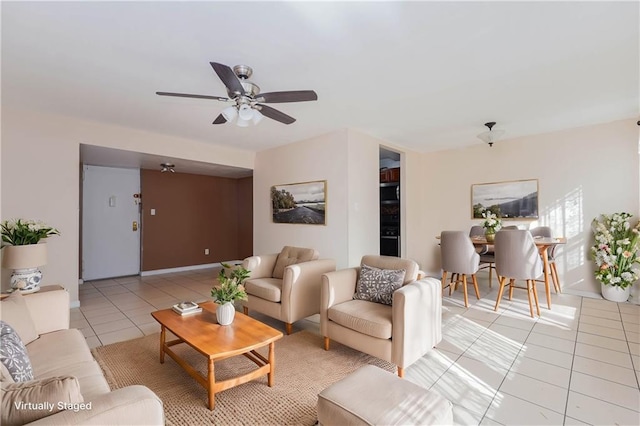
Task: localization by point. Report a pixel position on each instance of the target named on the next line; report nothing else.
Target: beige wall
(363, 212)
(582, 172)
(320, 158)
(40, 179)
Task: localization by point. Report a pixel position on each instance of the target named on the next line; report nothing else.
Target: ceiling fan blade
(228, 77)
(187, 95)
(220, 120)
(290, 96)
(274, 114)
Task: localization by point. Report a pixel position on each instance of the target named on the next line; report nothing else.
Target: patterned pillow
(14, 355)
(378, 285)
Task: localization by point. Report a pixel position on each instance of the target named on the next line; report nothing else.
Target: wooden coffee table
(216, 342)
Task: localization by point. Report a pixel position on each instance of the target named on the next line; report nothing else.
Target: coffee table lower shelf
(202, 333)
(265, 368)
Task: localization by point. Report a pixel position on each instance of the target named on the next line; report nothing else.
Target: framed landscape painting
(516, 199)
(302, 203)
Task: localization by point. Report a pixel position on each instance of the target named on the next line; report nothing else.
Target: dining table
(543, 244)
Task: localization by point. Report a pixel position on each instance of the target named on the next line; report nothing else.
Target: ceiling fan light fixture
(245, 112)
(257, 117)
(242, 122)
(230, 113)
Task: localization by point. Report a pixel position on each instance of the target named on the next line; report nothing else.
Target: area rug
(303, 369)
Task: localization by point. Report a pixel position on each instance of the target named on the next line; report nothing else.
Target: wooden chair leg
(444, 282)
(288, 327)
(512, 284)
(464, 289)
(529, 290)
(491, 274)
(500, 290)
(400, 372)
(535, 296)
(245, 310)
(554, 276)
(475, 285)
(326, 343)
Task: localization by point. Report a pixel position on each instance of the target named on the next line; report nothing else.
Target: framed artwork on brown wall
(300, 203)
(516, 199)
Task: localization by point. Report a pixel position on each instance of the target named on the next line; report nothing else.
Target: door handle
(135, 226)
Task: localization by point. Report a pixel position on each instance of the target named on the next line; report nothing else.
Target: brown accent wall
(193, 213)
(245, 217)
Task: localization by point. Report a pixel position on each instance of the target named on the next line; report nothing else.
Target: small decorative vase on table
(491, 225)
(615, 252)
(225, 313)
(230, 289)
(24, 252)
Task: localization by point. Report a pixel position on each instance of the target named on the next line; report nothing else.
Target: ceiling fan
(248, 101)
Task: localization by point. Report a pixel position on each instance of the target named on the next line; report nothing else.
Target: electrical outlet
(206, 251)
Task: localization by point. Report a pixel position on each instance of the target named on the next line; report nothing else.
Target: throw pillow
(291, 256)
(15, 312)
(13, 354)
(377, 285)
(29, 401)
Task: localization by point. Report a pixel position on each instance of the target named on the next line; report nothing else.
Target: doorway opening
(390, 205)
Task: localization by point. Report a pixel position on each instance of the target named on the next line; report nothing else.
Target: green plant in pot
(230, 289)
(615, 253)
(24, 252)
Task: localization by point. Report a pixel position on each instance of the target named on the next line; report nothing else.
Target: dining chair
(546, 232)
(459, 257)
(517, 258)
(510, 228)
(487, 257)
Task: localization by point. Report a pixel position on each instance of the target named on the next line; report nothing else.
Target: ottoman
(372, 396)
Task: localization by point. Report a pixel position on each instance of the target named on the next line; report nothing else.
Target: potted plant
(491, 225)
(615, 252)
(230, 289)
(23, 253)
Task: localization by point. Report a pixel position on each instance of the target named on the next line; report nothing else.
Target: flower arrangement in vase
(230, 289)
(615, 252)
(491, 225)
(23, 253)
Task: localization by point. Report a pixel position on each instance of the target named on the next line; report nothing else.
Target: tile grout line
(573, 360)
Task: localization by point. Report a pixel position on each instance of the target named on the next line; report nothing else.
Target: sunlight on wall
(566, 218)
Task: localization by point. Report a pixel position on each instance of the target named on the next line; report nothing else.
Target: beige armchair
(400, 333)
(286, 286)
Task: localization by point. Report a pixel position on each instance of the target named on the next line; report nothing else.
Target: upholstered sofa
(286, 285)
(401, 331)
(68, 386)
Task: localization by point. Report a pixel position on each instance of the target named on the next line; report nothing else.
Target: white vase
(25, 260)
(225, 313)
(615, 293)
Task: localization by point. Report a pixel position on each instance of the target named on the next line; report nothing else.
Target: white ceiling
(420, 75)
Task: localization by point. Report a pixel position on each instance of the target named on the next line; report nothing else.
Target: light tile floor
(578, 363)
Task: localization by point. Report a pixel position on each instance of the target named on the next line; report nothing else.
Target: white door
(110, 222)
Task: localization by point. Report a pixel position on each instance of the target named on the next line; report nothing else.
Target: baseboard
(185, 268)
